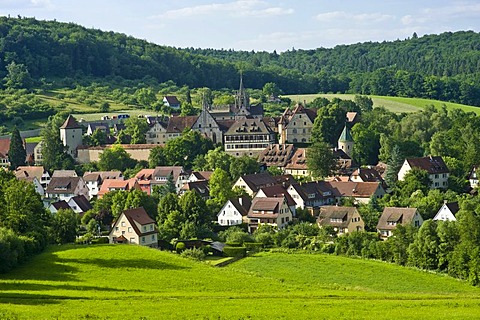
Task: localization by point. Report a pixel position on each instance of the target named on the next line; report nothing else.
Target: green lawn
(394, 104)
(131, 282)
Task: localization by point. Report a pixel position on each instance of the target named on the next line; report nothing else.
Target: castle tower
(71, 135)
(345, 142)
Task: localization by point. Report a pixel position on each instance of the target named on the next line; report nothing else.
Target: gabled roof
(165, 171)
(70, 123)
(352, 117)
(431, 164)
(395, 215)
(82, 203)
(177, 124)
(453, 207)
(29, 171)
(284, 179)
(279, 192)
(354, 189)
(140, 216)
(327, 213)
(225, 125)
(299, 109)
(4, 147)
(248, 126)
(102, 175)
(299, 160)
(314, 190)
(98, 125)
(117, 184)
(145, 174)
(277, 155)
(64, 173)
(172, 100)
(271, 207)
(258, 180)
(30, 147)
(60, 185)
(242, 204)
(202, 175)
(200, 187)
(368, 175)
(61, 205)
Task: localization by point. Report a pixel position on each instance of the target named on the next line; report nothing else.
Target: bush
(85, 239)
(233, 244)
(100, 240)
(193, 253)
(179, 247)
(253, 246)
(235, 252)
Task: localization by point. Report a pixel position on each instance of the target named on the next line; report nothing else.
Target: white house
(278, 191)
(26, 172)
(271, 211)
(435, 166)
(171, 101)
(447, 212)
(136, 227)
(234, 212)
(95, 179)
(473, 177)
(79, 204)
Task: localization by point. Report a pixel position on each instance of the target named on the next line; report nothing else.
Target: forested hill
(444, 67)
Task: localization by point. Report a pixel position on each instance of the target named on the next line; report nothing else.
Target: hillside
(443, 67)
(134, 282)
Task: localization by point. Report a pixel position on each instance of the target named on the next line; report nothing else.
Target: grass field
(131, 282)
(394, 104)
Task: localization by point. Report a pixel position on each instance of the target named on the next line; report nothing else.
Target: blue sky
(258, 24)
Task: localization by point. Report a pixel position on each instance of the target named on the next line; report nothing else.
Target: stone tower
(71, 135)
(345, 142)
(242, 100)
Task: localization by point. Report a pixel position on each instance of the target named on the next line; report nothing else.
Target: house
(311, 195)
(4, 148)
(248, 137)
(436, 168)
(208, 126)
(71, 134)
(157, 133)
(161, 174)
(342, 219)
(30, 151)
(234, 212)
(297, 166)
(36, 184)
(473, 177)
(362, 192)
(65, 188)
(367, 175)
(59, 205)
(37, 153)
(117, 185)
(272, 211)
(101, 126)
(136, 227)
(296, 125)
(276, 155)
(251, 183)
(79, 204)
(178, 124)
(171, 101)
(447, 212)
(42, 175)
(393, 216)
(199, 175)
(95, 179)
(64, 173)
(278, 191)
(345, 164)
(200, 187)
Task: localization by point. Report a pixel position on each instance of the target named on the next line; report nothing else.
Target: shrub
(179, 247)
(253, 246)
(234, 244)
(100, 240)
(193, 253)
(234, 251)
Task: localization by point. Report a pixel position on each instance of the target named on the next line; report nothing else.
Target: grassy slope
(130, 282)
(395, 104)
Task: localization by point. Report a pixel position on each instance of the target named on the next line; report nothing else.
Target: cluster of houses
(242, 129)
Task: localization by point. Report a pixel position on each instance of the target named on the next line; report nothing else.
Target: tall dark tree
(320, 160)
(16, 153)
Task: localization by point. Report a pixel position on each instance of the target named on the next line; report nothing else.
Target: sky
(259, 25)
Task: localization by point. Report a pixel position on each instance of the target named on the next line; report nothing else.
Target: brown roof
(165, 171)
(270, 205)
(395, 215)
(334, 212)
(145, 174)
(70, 123)
(354, 189)
(4, 147)
(258, 180)
(172, 99)
(59, 185)
(352, 116)
(431, 164)
(64, 173)
(200, 187)
(140, 216)
(117, 184)
(102, 175)
(248, 126)
(177, 124)
(278, 191)
(202, 175)
(277, 155)
(242, 204)
(61, 205)
(82, 203)
(224, 125)
(298, 160)
(368, 175)
(29, 171)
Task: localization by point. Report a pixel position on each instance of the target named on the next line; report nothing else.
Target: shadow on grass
(126, 263)
(33, 299)
(20, 286)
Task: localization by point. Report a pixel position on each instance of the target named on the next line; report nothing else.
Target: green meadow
(132, 282)
(394, 104)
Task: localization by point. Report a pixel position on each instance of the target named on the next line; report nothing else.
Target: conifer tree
(16, 153)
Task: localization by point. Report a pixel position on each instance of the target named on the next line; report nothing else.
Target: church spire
(241, 98)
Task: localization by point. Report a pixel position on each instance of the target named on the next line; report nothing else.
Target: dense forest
(444, 67)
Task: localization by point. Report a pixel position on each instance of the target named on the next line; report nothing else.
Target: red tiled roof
(70, 123)
(177, 124)
(277, 155)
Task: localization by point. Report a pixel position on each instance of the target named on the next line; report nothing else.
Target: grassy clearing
(394, 104)
(131, 282)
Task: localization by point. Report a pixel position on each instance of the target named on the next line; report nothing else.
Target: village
(242, 130)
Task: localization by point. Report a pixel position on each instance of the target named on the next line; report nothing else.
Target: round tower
(345, 142)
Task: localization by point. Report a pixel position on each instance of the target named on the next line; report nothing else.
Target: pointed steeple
(346, 135)
(241, 98)
(70, 123)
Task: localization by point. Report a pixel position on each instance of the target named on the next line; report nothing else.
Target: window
(129, 229)
(123, 223)
(116, 228)
(436, 176)
(143, 239)
(132, 240)
(153, 237)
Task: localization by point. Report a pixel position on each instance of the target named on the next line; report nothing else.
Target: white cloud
(340, 16)
(255, 8)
